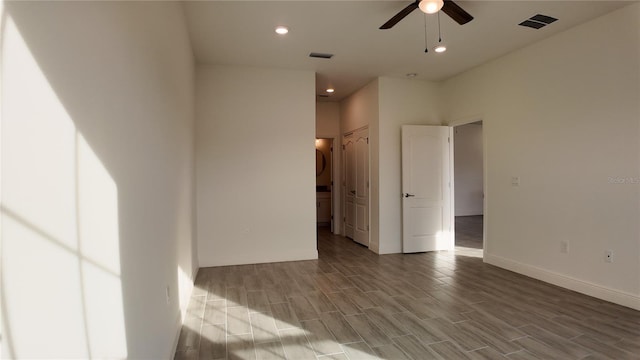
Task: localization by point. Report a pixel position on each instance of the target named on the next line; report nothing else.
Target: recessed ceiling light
(440, 48)
(411, 75)
(330, 90)
(282, 30)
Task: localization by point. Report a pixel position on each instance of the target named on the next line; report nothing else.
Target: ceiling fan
(430, 7)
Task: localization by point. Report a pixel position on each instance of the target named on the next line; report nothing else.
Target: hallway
(354, 304)
(469, 231)
(469, 236)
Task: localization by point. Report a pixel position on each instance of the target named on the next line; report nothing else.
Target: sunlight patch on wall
(41, 290)
(38, 144)
(61, 285)
(98, 208)
(99, 245)
(185, 287)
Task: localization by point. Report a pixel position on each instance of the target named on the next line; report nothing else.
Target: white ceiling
(242, 33)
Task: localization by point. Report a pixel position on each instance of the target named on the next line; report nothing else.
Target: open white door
(426, 189)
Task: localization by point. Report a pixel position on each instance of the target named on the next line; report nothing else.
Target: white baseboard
(584, 287)
(177, 336)
(181, 316)
(258, 258)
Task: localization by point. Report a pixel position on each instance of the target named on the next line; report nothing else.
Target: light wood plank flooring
(354, 304)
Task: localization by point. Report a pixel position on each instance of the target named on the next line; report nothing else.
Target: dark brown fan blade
(401, 15)
(456, 12)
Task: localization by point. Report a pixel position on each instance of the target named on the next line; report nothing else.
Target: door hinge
(344, 147)
(449, 140)
(331, 149)
(367, 140)
(367, 184)
(367, 227)
(344, 219)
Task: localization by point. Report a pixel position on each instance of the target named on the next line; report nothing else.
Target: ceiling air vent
(320, 55)
(538, 21)
(323, 95)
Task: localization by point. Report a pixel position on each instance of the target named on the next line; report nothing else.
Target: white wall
(563, 115)
(468, 169)
(327, 119)
(358, 110)
(255, 156)
(402, 102)
(385, 105)
(328, 126)
(97, 164)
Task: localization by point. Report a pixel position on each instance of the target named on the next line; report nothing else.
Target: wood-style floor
(354, 304)
(469, 232)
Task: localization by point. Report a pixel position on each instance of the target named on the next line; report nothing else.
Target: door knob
(408, 195)
(353, 192)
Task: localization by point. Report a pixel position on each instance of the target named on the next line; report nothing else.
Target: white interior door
(356, 186)
(361, 225)
(426, 189)
(349, 189)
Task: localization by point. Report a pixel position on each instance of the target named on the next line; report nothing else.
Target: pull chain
(439, 33)
(426, 46)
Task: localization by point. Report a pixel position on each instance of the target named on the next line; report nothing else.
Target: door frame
(485, 199)
(343, 181)
(332, 169)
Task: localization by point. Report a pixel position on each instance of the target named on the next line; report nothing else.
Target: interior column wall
(402, 102)
(357, 111)
(255, 180)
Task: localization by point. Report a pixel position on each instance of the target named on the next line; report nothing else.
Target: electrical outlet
(608, 256)
(564, 247)
(515, 181)
(168, 293)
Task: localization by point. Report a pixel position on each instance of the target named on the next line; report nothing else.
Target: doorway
(468, 155)
(324, 183)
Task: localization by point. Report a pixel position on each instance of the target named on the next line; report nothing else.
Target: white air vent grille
(538, 21)
(320, 55)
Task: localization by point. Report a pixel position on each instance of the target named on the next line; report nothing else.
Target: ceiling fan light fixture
(430, 6)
